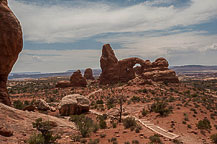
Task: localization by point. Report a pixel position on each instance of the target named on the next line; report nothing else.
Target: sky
(61, 35)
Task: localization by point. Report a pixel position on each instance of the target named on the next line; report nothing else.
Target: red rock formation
(74, 104)
(77, 80)
(88, 74)
(159, 71)
(63, 84)
(114, 71)
(11, 43)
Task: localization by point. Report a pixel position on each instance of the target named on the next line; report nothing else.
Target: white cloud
(64, 23)
(154, 46)
(57, 61)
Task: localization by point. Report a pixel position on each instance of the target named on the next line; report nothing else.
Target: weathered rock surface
(11, 43)
(114, 71)
(74, 104)
(63, 84)
(43, 105)
(5, 132)
(77, 80)
(20, 123)
(88, 74)
(159, 71)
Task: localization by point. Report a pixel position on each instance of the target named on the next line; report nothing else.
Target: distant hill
(96, 72)
(194, 69)
(35, 75)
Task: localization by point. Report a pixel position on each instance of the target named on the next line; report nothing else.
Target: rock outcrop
(43, 105)
(11, 43)
(63, 84)
(19, 123)
(114, 71)
(159, 71)
(88, 74)
(77, 80)
(74, 104)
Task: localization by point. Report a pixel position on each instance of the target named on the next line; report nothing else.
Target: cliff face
(114, 71)
(11, 44)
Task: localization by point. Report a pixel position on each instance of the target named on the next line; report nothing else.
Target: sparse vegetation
(214, 138)
(204, 124)
(129, 122)
(155, 139)
(46, 136)
(84, 124)
(161, 108)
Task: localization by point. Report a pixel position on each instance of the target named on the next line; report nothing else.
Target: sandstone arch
(114, 71)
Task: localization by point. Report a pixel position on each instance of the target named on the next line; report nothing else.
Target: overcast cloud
(148, 29)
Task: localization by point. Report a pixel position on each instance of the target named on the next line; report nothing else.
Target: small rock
(5, 132)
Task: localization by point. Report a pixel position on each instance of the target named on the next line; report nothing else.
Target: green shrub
(135, 99)
(114, 125)
(99, 102)
(102, 135)
(214, 138)
(18, 104)
(135, 142)
(144, 112)
(155, 139)
(96, 141)
(102, 124)
(85, 124)
(36, 139)
(175, 141)
(46, 136)
(204, 124)
(129, 122)
(110, 103)
(161, 108)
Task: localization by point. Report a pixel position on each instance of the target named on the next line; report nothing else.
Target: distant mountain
(194, 69)
(96, 72)
(35, 75)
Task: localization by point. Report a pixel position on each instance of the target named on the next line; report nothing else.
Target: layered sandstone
(88, 74)
(63, 84)
(77, 80)
(74, 105)
(118, 71)
(114, 71)
(11, 43)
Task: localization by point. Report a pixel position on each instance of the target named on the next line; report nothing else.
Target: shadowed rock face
(74, 104)
(88, 74)
(77, 80)
(114, 71)
(11, 43)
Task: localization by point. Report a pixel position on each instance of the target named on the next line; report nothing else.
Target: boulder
(43, 105)
(5, 132)
(74, 105)
(29, 108)
(11, 44)
(77, 80)
(63, 84)
(88, 74)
